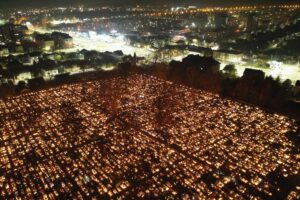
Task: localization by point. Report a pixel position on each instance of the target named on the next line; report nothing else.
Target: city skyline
(56, 3)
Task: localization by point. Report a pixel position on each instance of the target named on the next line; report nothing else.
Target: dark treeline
(253, 87)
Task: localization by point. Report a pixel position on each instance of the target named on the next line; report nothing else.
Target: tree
(230, 71)
(287, 87)
(21, 86)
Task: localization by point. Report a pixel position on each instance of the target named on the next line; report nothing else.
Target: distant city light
(113, 31)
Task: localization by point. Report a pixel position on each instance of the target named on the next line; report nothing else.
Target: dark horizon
(56, 3)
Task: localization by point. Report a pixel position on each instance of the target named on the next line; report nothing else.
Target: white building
(24, 76)
(228, 56)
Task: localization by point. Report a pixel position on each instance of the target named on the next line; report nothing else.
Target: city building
(253, 75)
(207, 52)
(23, 76)
(251, 22)
(201, 63)
(229, 56)
(220, 20)
(4, 51)
(62, 40)
(11, 33)
(45, 42)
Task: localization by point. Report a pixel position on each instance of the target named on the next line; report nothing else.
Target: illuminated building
(12, 33)
(62, 40)
(4, 51)
(229, 56)
(45, 42)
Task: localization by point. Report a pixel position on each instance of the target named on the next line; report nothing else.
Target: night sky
(42, 3)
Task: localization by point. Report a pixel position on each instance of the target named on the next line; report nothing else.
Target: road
(104, 43)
